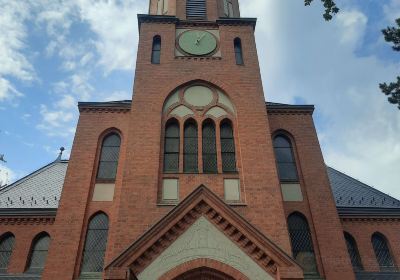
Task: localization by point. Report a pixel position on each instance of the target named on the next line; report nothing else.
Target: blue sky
(54, 53)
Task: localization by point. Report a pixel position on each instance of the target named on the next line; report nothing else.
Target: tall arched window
(382, 252)
(227, 147)
(95, 244)
(301, 240)
(171, 146)
(6, 248)
(156, 50)
(209, 148)
(38, 255)
(196, 9)
(109, 157)
(285, 160)
(238, 51)
(190, 148)
(353, 252)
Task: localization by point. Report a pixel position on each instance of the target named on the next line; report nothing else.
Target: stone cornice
(282, 109)
(27, 220)
(105, 107)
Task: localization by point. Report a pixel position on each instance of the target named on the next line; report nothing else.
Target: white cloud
(67, 102)
(115, 25)
(6, 175)
(13, 61)
(57, 122)
(118, 95)
(303, 56)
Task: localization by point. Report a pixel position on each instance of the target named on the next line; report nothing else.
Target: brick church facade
(196, 177)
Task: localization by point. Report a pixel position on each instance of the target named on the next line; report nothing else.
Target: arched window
(156, 50)
(6, 248)
(382, 252)
(301, 240)
(227, 147)
(209, 148)
(190, 148)
(285, 160)
(196, 9)
(38, 254)
(109, 157)
(353, 252)
(171, 146)
(95, 244)
(238, 51)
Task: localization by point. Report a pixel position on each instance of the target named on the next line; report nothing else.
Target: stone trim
(27, 220)
(202, 202)
(199, 263)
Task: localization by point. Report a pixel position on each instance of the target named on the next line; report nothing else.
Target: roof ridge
(364, 185)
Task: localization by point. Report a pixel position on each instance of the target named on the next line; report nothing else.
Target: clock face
(197, 42)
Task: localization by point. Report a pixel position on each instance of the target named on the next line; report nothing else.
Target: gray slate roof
(349, 192)
(39, 190)
(42, 189)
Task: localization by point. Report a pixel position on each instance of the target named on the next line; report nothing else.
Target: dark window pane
(382, 253)
(281, 142)
(353, 252)
(191, 145)
(302, 247)
(227, 145)
(287, 172)
(95, 244)
(39, 254)
(210, 163)
(6, 247)
(284, 155)
(196, 9)
(156, 50)
(209, 148)
(285, 160)
(238, 51)
(228, 162)
(112, 141)
(107, 170)
(171, 147)
(171, 162)
(109, 157)
(191, 163)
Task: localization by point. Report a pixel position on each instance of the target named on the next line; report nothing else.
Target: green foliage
(392, 90)
(330, 8)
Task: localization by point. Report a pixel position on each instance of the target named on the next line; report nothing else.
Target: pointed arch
(7, 241)
(38, 253)
(302, 244)
(228, 154)
(190, 148)
(382, 252)
(156, 50)
(109, 157)
(209, 147)
(237, 44)
(285, 160)
(171, 146)
(354, 254)
(95, 244)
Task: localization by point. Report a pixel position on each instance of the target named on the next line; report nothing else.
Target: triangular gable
(204, 203)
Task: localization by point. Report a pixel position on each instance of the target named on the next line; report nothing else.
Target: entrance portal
(204, 273)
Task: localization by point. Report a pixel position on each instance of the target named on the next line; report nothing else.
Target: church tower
(183, 181)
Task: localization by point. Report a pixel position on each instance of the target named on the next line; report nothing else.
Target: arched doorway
(203, 273)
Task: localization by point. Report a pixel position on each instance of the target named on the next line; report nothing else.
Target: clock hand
(199, 39)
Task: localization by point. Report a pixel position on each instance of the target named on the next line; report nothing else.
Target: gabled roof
(39, 190)
(355, 197)
(202, 202)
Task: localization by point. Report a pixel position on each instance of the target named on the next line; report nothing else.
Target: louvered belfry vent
(196, 9)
